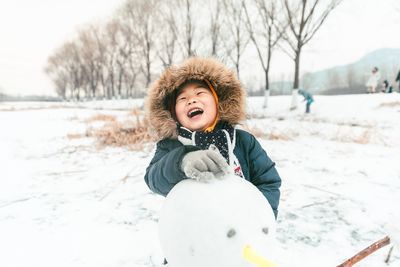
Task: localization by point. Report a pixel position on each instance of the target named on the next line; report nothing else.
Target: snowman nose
(251, 256)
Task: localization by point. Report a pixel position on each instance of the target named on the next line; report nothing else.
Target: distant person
(387, 87)
(373, 80)
(398, 79)
(308, 98)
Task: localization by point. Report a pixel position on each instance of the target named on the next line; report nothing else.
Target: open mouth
(195, 112)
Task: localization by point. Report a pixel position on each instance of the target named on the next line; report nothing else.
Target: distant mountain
(351, 78)
(381, 57)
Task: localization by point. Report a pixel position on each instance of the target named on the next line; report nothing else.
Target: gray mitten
(204, 165)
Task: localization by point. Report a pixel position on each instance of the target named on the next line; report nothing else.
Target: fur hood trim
(231, 94)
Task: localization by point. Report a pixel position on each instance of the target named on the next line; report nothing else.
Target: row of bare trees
(122, 57)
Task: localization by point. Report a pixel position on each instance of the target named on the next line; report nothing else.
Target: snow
(66, 202)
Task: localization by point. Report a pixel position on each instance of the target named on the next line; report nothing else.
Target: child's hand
(204, 165)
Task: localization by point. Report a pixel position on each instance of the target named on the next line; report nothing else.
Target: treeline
(121, 57)
(24, 98)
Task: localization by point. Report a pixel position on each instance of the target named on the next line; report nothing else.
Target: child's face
(195, 107)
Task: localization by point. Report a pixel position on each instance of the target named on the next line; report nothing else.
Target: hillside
(350, 78)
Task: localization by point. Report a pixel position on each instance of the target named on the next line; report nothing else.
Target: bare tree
(105, 40)
(53, 70)
(58, 74)
(131, 55)
(265, 39)
(140, 16)
(189, 27)
(100, 47)
(91, 59)
(168, 38)
(237, 37)
(304, 18)
(118, 51)
(130, 77)
(65, 69)
(75, 68)
(215, 25)
(186, 25)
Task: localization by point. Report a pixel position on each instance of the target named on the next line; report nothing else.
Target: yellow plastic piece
(251, 256)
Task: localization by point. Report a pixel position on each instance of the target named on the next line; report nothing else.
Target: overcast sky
(30, 30)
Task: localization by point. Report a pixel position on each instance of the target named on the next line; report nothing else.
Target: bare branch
(251, 31)
(366, 252)
(304, 21)
(308, 36)
(239, 36)
(215, 25)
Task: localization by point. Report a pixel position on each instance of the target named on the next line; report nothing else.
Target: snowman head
(224, 223)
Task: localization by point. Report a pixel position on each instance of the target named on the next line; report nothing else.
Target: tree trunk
(296, 83)
(148, 64)
(112, 85)
(237, 68)
(119, 87)
(148, 78)
(296, 69)
(266, 71)
(266, 91)
(78, 97)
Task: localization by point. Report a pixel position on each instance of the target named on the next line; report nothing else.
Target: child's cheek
(179, 111)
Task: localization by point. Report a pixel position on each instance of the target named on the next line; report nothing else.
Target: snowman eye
(265, 230)
(231, 233)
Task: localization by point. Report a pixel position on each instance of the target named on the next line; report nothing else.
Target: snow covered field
(65, 202)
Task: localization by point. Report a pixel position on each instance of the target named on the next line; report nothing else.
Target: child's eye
(181, 98)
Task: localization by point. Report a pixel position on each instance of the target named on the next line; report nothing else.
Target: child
(307, 97)
(193, 109)
(372, 82)
(387, 88)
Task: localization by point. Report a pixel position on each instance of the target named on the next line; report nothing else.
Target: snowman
(222, 223)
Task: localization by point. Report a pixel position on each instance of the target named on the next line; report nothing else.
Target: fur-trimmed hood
(230, 93)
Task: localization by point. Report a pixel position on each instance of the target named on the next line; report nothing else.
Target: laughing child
(194, 108)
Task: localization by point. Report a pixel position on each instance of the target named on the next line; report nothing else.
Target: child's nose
(192, 100)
